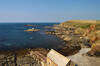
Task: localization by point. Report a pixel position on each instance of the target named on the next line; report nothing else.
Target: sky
(48, 10)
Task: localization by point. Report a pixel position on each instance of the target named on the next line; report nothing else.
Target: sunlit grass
(84, 25)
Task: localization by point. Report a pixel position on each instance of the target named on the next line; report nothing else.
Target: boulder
(79, 31)
(95, 50)
(67, 38)
(69, 50)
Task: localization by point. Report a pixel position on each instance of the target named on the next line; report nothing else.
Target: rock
(95, 50)
(21, 57)
(67, 32)
(92, 27)
(58, 33)
(50, 32)
(28, 25)
(69, 50)
(31, 30)
(79, 31)
(47, 27)
(67, 38)
(62, 36)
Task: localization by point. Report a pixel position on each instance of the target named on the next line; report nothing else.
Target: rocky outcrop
(81, 33)
(95, 50)
(31, 30)
(50, 32)
(21, 57)
(72, 40)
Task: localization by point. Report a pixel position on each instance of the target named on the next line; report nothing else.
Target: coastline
(21, 57)
(82, 40)
(76, 46)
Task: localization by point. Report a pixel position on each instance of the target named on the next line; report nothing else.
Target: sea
(13, 36)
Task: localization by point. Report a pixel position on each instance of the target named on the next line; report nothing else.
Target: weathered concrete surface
(56, 59)
(83, 60)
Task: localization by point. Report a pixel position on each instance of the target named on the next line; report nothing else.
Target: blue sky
(48, 10)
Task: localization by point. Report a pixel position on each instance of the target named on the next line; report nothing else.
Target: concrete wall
(50, 62)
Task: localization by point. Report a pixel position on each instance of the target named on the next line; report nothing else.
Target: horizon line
(31, 22)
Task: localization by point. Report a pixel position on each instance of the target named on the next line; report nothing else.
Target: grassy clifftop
(84, 21)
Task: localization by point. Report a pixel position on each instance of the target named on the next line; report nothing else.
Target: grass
(83, 25)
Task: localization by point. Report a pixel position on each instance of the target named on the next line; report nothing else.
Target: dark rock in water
(69, 50)
(13, 37)
(29, 25)
(50, 32)
(48, 27)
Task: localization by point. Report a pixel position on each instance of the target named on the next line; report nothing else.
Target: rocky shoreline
(73, 42)
(21, 57)
(77, 36)
(82, 41)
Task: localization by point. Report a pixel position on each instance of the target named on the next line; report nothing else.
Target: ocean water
(13, 37)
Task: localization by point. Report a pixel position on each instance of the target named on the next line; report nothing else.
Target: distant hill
(83, 21)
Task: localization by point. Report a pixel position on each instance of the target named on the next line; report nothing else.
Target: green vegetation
(98, 20)
(83, 25)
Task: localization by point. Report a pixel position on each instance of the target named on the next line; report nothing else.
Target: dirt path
(83, 60)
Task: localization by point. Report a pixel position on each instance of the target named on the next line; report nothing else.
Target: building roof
(57, 58)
